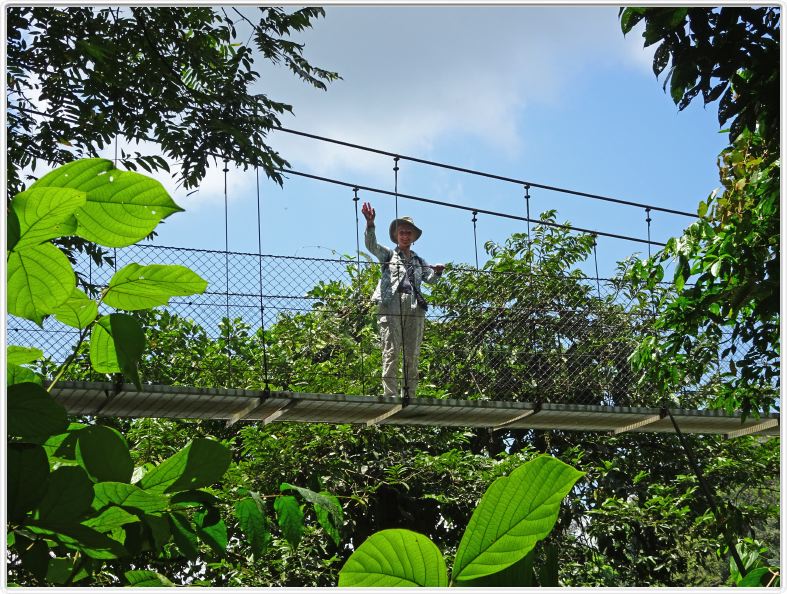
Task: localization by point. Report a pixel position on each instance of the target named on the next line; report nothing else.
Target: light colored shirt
(394, 269)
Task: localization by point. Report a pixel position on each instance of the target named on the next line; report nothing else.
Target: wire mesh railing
(488, 334)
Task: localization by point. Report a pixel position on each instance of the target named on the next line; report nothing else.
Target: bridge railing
(308, 325)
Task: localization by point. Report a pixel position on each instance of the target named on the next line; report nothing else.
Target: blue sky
(551, 94)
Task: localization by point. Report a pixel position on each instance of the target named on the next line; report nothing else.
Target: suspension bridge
(297, 341)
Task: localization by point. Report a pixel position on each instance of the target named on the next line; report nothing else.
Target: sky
(554, 95)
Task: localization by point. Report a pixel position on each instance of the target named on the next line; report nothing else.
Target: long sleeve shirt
(394, 270)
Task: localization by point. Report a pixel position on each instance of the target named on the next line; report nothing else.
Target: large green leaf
(32, 413)
(131, 496)
(251, 519)
(103, 453)
(16, 374)
(290, 517)
(59, 570)
(117, 342)
(122, 207)
(79, 537)
(395, 558)
(77, 311)
(40, 279)
(27, 473)
(17, 355)
(46, 213)
(201, 463)
(12, 228)
(136, 287)
(513, 515)
(143, 578)
(69, 495)
(110, 519)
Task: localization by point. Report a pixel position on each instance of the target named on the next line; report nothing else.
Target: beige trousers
(401, 332)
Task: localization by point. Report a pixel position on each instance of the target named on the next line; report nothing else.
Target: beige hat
(403, 221)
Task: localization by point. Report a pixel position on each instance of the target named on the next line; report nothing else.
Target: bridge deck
(232, 405)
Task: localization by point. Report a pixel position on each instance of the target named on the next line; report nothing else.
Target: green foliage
(395, 558)
(205, 100)
(727, 263)
(730, 52)
(513, 515)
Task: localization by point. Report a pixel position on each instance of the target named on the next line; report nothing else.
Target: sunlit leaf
(144, 578)
(17, 355)
(46, 213)
(16, 374)
(141, 287)
(77, 311)
(130, 496)
(40, 279)
(513, 515)
(395, 558)
(111, 518)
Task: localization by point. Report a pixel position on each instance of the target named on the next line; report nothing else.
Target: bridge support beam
(767, 424)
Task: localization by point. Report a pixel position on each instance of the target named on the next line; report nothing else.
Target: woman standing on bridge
(402, 307)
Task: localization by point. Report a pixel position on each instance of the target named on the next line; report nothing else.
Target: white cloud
(414, 77)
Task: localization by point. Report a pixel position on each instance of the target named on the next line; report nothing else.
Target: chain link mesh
(488, 335)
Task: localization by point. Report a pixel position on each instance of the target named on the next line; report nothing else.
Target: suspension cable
(484, 174)
(262, 303)
(227, 272)
(360, 285)
(467, 208)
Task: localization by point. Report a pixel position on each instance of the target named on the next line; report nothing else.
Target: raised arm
(382, 253)
(431, 272)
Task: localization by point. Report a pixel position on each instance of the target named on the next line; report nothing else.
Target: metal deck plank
(249, 405)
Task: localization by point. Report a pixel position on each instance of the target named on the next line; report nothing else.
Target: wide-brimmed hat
(403, 221)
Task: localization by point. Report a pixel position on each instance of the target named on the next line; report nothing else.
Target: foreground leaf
(27, 473)
(69, 494)
(77, 311)
(117, 343)
(104, 454)
(200, 464)
(17, 355)
(122, 207)
(395, 558)
(33, 415)
(513, 515)
(46, 213)
(40, 279)
(16, 374)
(131, 496)
(135, 287)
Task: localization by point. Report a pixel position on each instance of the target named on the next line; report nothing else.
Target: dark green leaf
(212, 529)
(131, 496)
(69, 495)
(26, 475)
(116, 345)
(35, 559)
(59, 570)
(32, 413)
(184, 535)
(110, 519)
(143, 578)
(290, 518)
(251, 520)
(103, 453)
(201, 463)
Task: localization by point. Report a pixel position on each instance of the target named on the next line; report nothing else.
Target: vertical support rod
(360, 285)
(475, 238)
(595, 258)
(647, 221)
(262, 302)
(405, 383)
(227, 273)
(527, 212)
